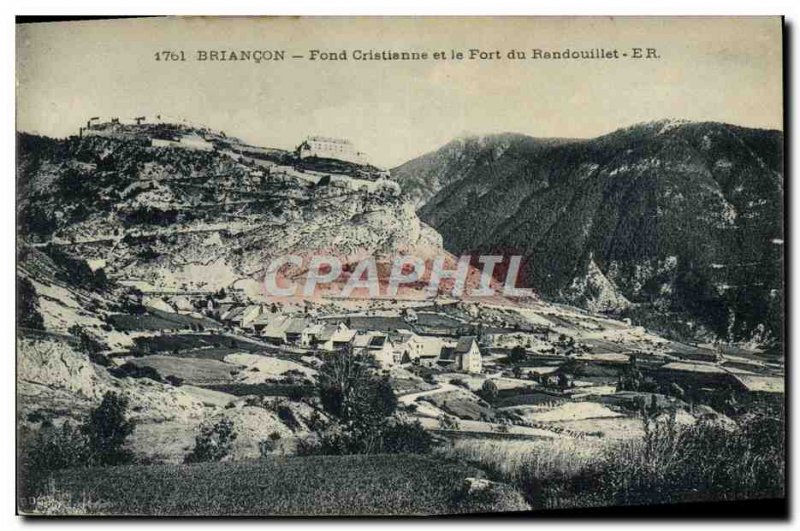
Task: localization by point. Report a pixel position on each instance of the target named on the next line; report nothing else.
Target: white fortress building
(330, 148)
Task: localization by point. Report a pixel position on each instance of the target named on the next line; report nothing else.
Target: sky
(719, 69)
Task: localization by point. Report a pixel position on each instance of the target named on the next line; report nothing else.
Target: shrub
(287, 416)
(448, 422)
(53, 448)
(268, 445)
(404, 437)
(86, 342)
(670, 464)
(214, 443)
(699, 463)
(459, 382)
(99, 440)
(517, 354)
(131, 370)
(174, 380)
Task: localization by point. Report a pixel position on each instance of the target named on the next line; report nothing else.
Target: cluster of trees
(632, 379)
(99, 440)
(147, 215)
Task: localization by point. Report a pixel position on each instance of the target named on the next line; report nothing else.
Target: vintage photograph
(399, 266)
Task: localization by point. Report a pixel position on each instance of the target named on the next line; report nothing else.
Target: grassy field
(190, 370)
(193, 345)
(154, 319)
(320, 485)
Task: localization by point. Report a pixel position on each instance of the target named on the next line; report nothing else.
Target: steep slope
(424, 176)
(684, 218)
(176, 218)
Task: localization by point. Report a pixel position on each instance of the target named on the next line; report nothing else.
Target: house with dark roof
(298, 332)
(333, 337)
(464, 356)
(377, 346)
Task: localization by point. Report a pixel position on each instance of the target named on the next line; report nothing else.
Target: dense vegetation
(99, 440)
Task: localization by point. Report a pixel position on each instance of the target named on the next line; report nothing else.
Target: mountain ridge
(649, 202)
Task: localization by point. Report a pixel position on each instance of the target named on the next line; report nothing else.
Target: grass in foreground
(672, 464)
(318, 485)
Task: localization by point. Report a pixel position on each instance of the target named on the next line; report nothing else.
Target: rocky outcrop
(485, 496)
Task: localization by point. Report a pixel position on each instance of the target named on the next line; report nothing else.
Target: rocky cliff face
(176, 218)
(684, 220)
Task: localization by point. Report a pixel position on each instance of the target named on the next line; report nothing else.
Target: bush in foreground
(214, 443)
(362, 407)
(99, 440)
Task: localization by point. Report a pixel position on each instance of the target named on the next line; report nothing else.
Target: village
(462, 368)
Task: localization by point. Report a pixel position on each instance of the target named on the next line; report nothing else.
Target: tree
(517, 354)
(489, 390)
(107, 428)
(349, 391)
(214, 443)
(28, 315)
(359, 401)
(630, 378)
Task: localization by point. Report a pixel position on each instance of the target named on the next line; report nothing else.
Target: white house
(334, 337)
(465, 355)
(377, 346)
(422, 350)
(275, 331)
(299, 333)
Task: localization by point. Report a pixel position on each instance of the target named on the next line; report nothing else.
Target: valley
(141, 262)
